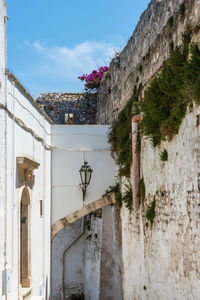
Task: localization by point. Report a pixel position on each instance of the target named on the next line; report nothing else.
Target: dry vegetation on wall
(163, 106)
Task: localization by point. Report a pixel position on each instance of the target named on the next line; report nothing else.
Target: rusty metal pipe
(135, 165)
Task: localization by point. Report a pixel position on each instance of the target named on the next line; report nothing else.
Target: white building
(26, 138)
(25, 187)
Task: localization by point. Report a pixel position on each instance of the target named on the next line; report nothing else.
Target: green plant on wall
(125, 198)
(182, 10)
(169, 93)
(150, 212)
(120, 136)
(163, 108)
(170, 22)
(142, 190)
(116, 190)
(164, 155)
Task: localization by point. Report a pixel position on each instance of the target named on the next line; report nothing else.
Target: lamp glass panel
(88, 176)
(82, 173)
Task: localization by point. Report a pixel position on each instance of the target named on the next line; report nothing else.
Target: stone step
(37, 298)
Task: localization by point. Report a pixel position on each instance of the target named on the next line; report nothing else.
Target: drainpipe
(135, 166)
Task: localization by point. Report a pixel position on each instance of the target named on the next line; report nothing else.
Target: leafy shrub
(170, 22)
(116, 190)
(120, 136)
(192, 74)
(142, 190)
(182, 10)
(164, 155)
(167, 97)
(126, 198)
(150, 212)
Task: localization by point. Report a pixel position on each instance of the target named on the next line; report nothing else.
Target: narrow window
(41, 208)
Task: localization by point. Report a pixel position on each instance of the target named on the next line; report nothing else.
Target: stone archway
(106, 200)
(25, 253)
(71, 237)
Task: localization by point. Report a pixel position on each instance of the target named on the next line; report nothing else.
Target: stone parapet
(69, 108)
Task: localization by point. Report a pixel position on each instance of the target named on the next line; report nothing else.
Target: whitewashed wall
(162, 261)
(22, 143)
(2, 141)
(66, 192)
(82, 259)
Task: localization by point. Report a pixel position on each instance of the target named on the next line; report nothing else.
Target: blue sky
(50, 43)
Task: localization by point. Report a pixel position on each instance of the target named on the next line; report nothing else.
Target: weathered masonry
(68, 109)
(160, 261)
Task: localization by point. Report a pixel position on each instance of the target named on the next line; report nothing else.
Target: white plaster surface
(68, 261)
(2, 143)
(109, 280)
(15, 142)
(76, 253)
(66, 191)
(21, 143)
(93, 258)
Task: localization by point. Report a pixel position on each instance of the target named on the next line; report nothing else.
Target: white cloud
(73, 62)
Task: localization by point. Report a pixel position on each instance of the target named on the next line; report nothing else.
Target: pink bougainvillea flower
(93, 80)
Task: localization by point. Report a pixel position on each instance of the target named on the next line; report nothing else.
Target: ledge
(27, 163)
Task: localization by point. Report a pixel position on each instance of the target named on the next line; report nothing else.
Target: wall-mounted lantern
(85, 173)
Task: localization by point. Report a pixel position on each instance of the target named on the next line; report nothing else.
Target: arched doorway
(25, 253)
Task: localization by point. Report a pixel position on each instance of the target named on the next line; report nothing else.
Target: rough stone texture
(159, 261)
(144, 54)
(165, 257)
(82, 106)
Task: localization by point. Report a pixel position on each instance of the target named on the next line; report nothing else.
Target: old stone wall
(144, 54)
(65, 108)
(160, 260)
